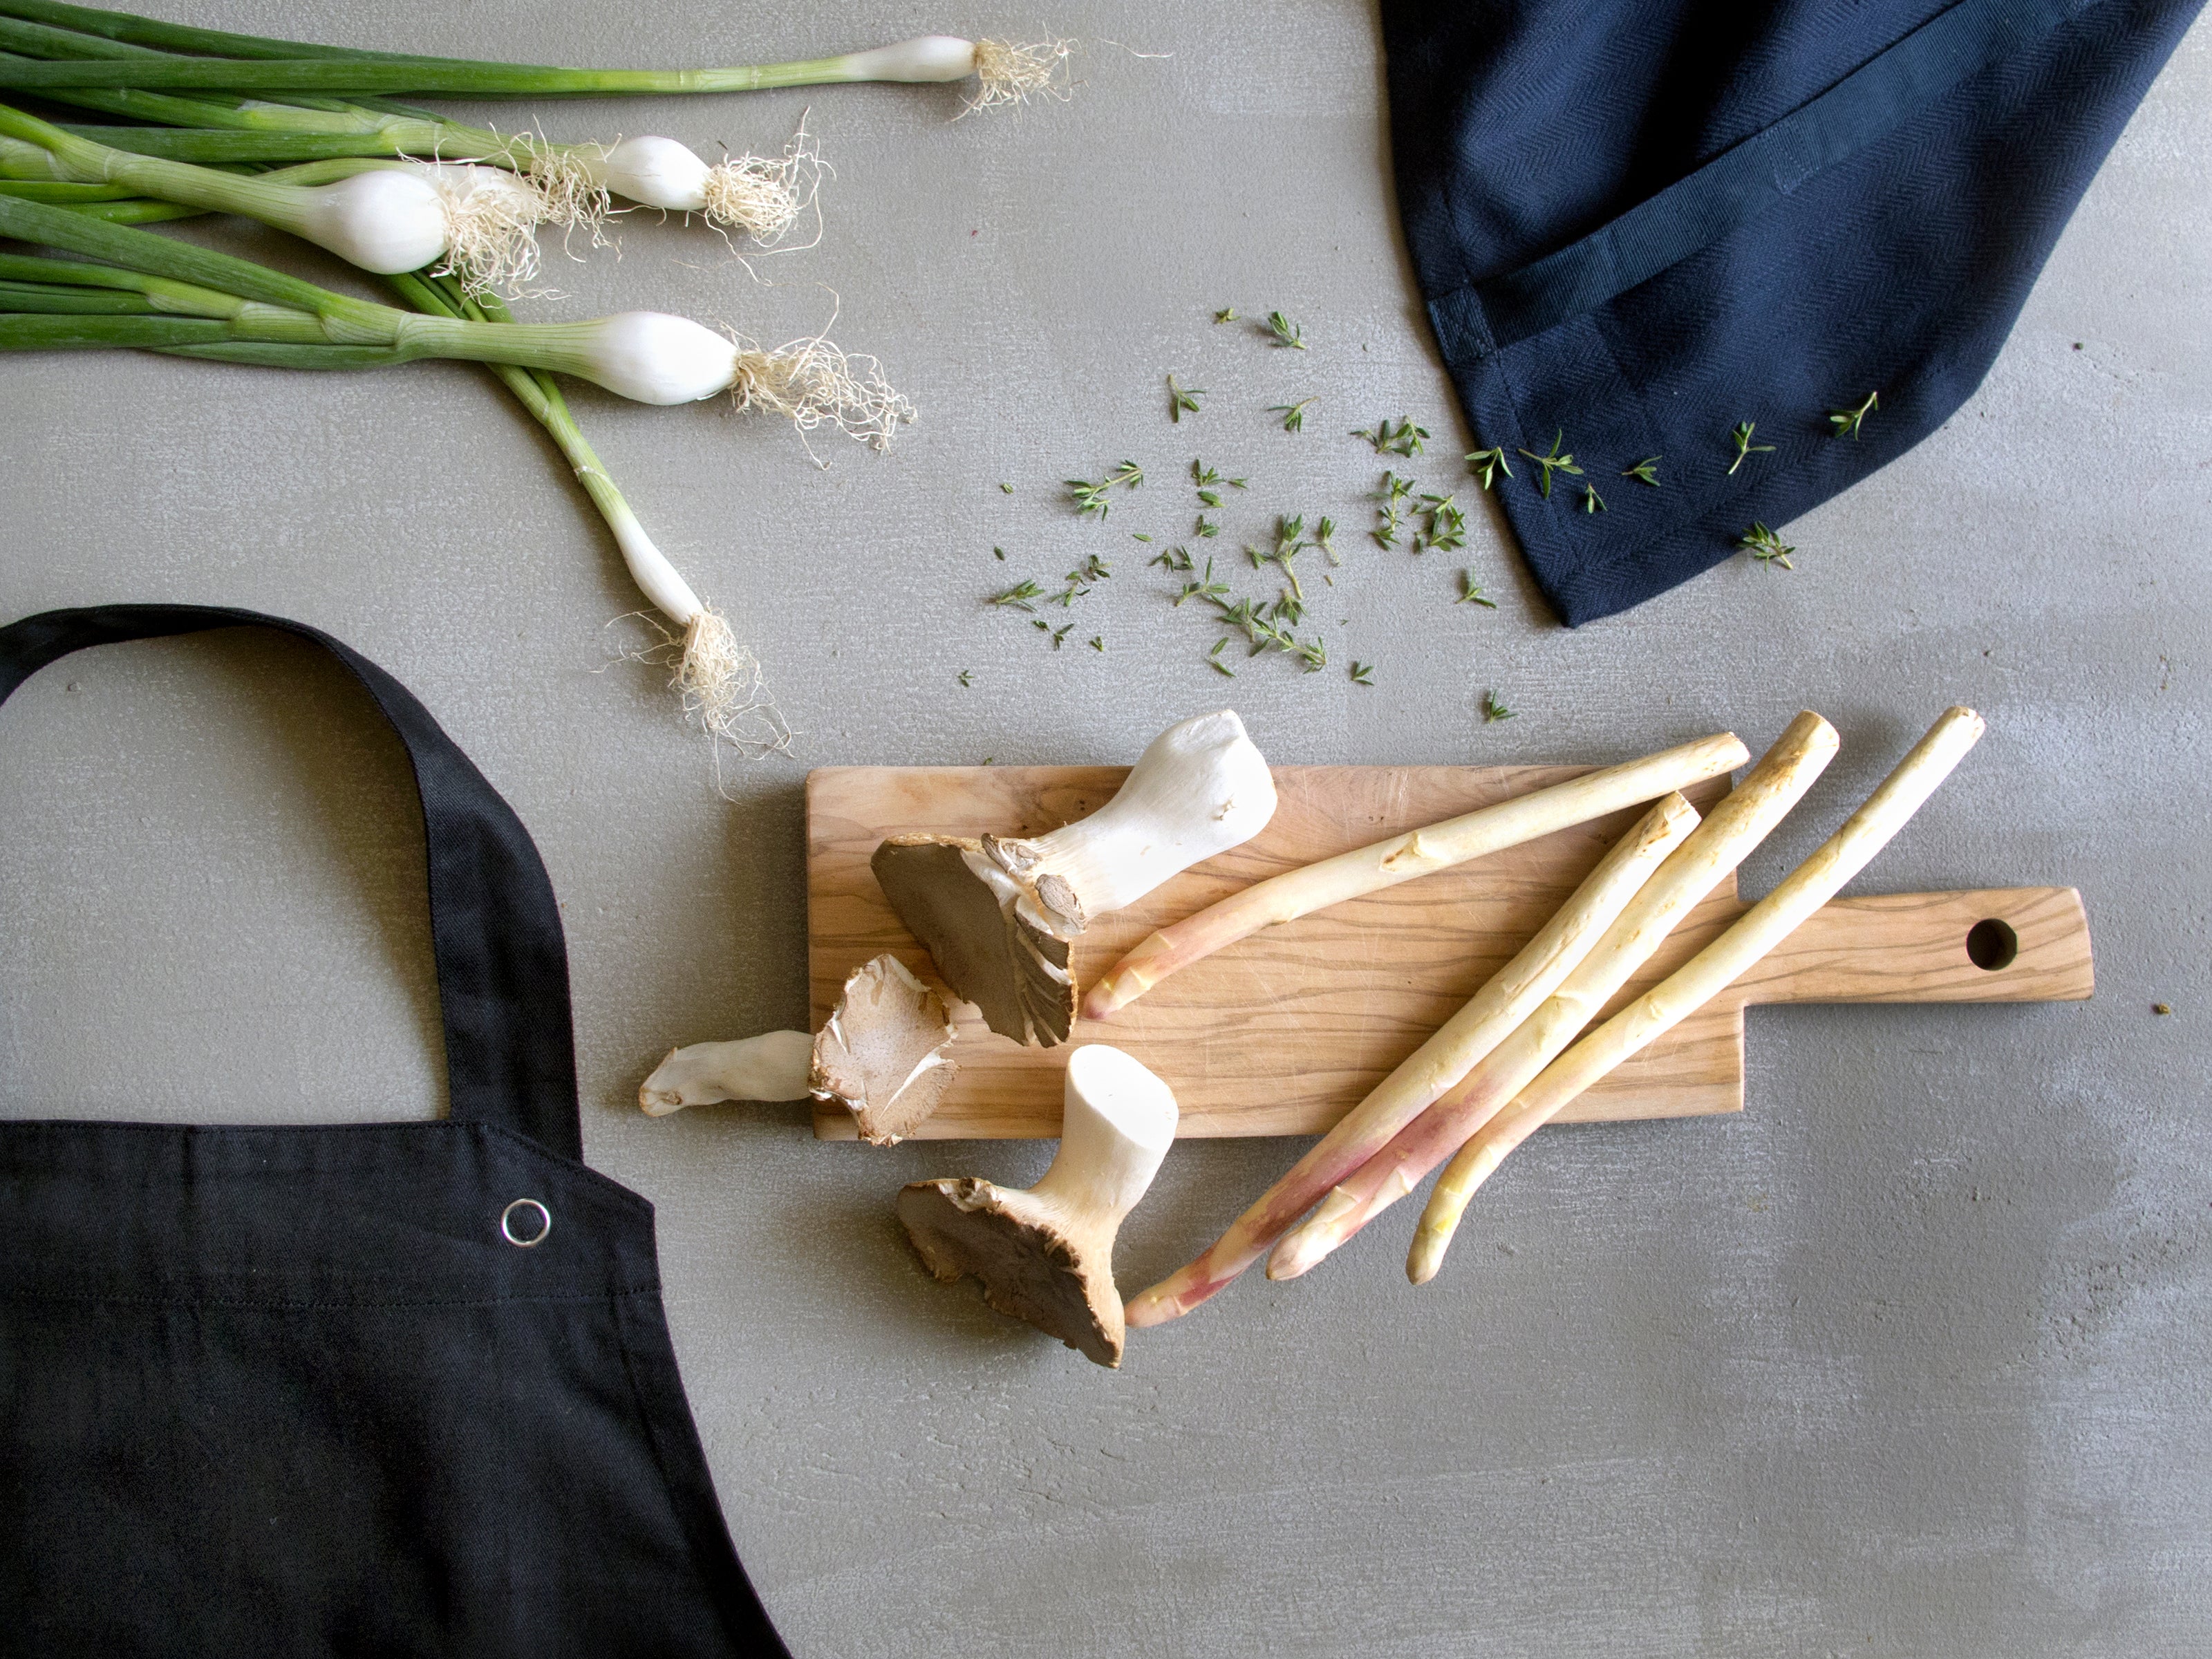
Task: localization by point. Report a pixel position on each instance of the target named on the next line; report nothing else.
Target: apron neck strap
(502, 965)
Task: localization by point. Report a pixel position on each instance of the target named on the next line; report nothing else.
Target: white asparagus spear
(1757, 932)
(1418, 852)
(1492, 1013)
(1737, 824)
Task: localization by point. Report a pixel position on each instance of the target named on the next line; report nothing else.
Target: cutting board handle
(1996, 945)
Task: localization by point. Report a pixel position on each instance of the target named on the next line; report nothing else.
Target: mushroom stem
(1046, 1254)
(1757, 932)
(1417, 853)
(1737, 824)
(1492, 1015)
(773, 1066)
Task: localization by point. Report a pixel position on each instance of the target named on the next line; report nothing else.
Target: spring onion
(1006, 73)
(648, 356)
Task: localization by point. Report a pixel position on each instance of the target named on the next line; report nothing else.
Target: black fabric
(1638, 222)
(298, 1391)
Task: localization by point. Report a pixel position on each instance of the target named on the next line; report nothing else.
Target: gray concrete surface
(1910, 1358)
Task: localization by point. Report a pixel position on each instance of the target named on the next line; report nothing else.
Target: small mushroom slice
(881, 1054)
(773, 1066)
(1045, 1254)
(997, 914)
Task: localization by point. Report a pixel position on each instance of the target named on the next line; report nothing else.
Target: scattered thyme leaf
(1445, 525)
(1060, 635)
(1286, 332)
(1209, 498)
(967, 677)
(1182, 399)
(1846, 420)
(1139, 536)
(1494, 709)
(1176, 558)
(1764, 545)
(1487, 464)
(1226, 314)
(1098, 643)
(1018, 596)
(1644, 472)
(1553, 461)
(1000, 554)
(1294, 415)
(1470, 591)
(1006, 489)
(1323, 532)
(1363, 673)
(1201, 475)
(1744, 448)
(1213, 659)
(1205, 527)
(1592, 501)
(1403, 440)
(1090, 498)
(1235, 483)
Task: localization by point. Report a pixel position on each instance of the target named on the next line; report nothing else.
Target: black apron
(380, 1389)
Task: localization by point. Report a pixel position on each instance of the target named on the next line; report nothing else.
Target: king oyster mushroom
(996, 915)
(881, 1056)
(1045, 1254)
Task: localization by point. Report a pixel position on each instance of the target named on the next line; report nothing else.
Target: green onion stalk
(478, 223)
(57, 304)
(115, 62)
(646, 355)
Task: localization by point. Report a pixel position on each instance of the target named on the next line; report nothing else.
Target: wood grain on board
(1283, 1032)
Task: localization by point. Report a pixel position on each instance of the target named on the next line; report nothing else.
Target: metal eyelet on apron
(538, 1234)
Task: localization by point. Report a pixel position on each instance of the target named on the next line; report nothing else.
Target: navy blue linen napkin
(1640, 222)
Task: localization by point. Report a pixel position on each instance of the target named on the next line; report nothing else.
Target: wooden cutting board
(1286, 1031)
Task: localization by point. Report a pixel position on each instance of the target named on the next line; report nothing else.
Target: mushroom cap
(881, 1054)
(989, 953)
(1032, 1263)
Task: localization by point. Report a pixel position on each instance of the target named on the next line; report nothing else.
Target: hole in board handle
(1991, 944)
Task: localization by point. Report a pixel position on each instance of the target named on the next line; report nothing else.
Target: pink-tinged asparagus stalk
(1418, 852)
(1757, 932)
(1736, 825)
(1489, 1016)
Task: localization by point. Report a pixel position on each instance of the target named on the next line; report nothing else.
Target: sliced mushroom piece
(773, 1066)
(997, 914)
(881, 1056)
(1045, 1254)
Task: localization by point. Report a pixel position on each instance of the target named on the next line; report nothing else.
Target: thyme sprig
(1470, 592)
(1018, 597)
(1764, 545)
(1363, 673)
(1551, 462)
(1294, 415)
(1095, 498)
(1394, 494)
(1846, 421)
(1592, 501)
(1284, 332)
(1487, 464)
(1644, 472)
(1443, 523)
(1324, 534)
(1182, 399)
(1403, 440)
(1205, 527)
(1744, 448)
